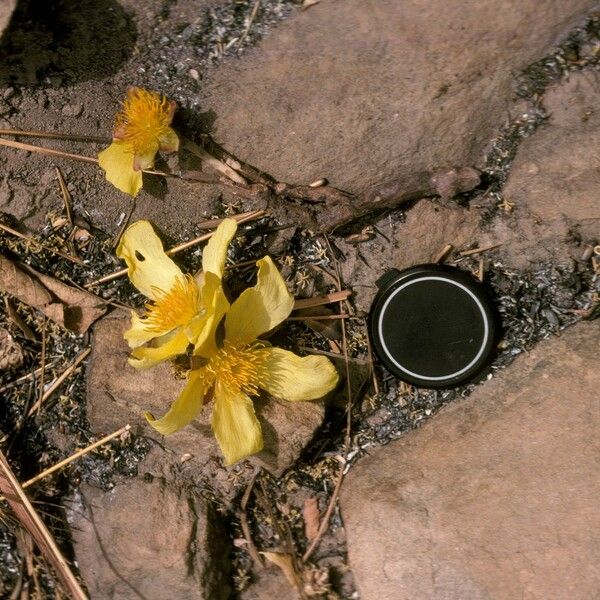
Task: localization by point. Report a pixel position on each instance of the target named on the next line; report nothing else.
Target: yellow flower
(182, 307)
(235, 365)
(142, 128)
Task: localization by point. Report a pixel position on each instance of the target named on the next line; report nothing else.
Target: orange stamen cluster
(146, 116)
(238, 368)
(174, 308)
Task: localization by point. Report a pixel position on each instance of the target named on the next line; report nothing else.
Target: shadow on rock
(65, 41)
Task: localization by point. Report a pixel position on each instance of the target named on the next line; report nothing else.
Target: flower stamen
(239, 368)
(174, 308)
(146, 117)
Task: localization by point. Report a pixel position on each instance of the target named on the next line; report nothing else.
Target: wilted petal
(290, 377)
(260, 308)
(169, 142)
(202, 330)
(215, 252)
(166, 347)
(186, 408)
(117, 163)
(145, 160)
(235, 425)
(149, 268)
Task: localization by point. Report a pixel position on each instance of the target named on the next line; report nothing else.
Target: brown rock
(427, 229)
(144, 539)
(119, 394)
(387, 95)
(6, 10)
(496, 497)
(554, 180)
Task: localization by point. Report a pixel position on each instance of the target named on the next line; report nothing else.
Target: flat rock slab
(497, 497)
(366, 93)
(119, 394)
(146, 539)
(554, 179)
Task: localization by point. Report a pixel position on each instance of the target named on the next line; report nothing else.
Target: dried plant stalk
(32, 522)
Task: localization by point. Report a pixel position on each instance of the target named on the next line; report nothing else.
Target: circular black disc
(432, 325)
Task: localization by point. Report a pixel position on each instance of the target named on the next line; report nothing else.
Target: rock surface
(119, 394)
(366, 95)
(494, 498)
(554, 179)
(6, 10)
(145, 539)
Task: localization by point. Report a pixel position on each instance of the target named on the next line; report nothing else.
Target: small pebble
(72, 110)
(9, 92)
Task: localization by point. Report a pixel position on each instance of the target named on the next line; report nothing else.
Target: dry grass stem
(69, 257)
(75, 456)
(59, 381)
(43, 361)
(27, 377)
(31, 521)
(442, 255)
(244, 522)
(66, 195)
(249, 25)
(321, 317)
(479, 250)
(322, 300)
(347, 436)
(62, 154)
(55, 136)
(241, 218)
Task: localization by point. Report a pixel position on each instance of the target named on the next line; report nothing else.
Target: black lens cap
(432, 325)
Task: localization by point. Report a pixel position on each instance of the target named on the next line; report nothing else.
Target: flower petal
(185, 409)
(166, 347)
(215, 252)
(235, 425)
(169, 142)
(293, 377)
(139, 333)
(202, 330)
(150, 269)
(117, 163)
(260, 308)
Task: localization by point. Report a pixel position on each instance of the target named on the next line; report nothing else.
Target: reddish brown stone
(496, 497)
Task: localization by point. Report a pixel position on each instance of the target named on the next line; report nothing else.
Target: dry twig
(244, 522)
(241, 218)
(347, 438)
(14, 494)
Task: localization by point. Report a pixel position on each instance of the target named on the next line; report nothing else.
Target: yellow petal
(202, 330)
(292, 377)
(185, 409)
(150, 269)
(235, 425)
(139, 333)
(215, 252)
(117, 162)
(166, 347)
(260, 308)
(169, 142)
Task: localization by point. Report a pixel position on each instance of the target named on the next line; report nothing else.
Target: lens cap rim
(393, 279)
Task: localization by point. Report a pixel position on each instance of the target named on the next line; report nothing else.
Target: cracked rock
(494, 498)
(149, 539)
